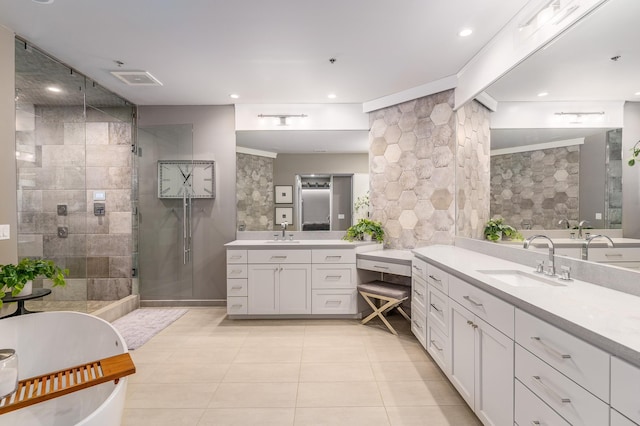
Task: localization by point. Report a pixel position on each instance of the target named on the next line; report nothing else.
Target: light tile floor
(205, 369)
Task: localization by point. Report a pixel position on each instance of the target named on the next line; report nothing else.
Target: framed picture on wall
(284, 194)
(284, 214)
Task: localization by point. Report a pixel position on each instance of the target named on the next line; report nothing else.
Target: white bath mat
(139, 326)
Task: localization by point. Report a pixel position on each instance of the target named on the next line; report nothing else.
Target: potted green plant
(14, 277)
(635, 153)
(365, 229)
(496, 229)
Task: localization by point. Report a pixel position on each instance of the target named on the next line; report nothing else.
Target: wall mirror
(542, 176)
(326, 167)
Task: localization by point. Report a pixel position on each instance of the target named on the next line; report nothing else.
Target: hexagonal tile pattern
(544, 186)
(441, 114)
(392, 153)
(408, 219)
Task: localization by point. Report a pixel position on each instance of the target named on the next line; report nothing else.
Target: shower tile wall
(535, 189)
(63, 159)
(254, 192)
(614, 180)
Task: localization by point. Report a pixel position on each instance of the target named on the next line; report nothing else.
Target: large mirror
(323, 171)
(540, 176)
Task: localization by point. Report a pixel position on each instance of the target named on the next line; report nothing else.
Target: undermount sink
(282, 241)
(518, 278)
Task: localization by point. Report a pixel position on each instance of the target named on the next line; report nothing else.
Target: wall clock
(177, 179)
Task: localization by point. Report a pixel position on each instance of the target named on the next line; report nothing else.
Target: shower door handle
(184, 228)
(189, 214)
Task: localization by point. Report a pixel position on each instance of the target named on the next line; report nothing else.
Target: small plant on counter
(365, 227)
(14, 277)
(635, 153)
(496, 229)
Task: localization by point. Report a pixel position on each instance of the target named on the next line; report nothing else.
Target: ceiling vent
(137, 78)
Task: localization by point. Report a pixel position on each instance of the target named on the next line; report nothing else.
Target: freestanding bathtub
(51, 341)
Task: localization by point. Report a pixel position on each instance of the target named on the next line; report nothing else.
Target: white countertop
(402, 257)
(606, 318)
(579, 243)
(300, 244)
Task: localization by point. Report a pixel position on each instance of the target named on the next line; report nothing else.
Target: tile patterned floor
(205, 369)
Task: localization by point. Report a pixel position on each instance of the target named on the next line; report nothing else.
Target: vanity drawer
(236, 271)
(613, 254)
(585, 364)
(438, 347)
(531, 410)
(496, 312)
(438, 278)
(386, 267)
(333, 302)
(625, 389)
(571, 401)
(419, 268)
(419, 325)
(419, 293)
(237, 305)
(236, 256)
(333, 256)
(438, 310)
(279, 256)
(236, 287)
(333, 276)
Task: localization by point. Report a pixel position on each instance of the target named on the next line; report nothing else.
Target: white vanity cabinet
(481, 365)
(419, 301)
(625, 389)
(300, 281)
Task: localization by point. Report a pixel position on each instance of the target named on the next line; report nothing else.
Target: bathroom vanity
(524, 348)
(293, 278)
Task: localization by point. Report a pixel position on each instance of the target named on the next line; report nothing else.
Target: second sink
(518, 278)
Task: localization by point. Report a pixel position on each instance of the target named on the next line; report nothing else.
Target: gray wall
(8, 193)
(630, 175)
(213, 139)
(593, 171)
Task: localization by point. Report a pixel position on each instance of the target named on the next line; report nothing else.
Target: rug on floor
(139, 326)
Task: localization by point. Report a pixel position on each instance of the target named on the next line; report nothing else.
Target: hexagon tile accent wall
(534, 188)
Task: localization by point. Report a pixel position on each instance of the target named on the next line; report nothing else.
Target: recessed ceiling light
(331, 96)
(465, 32)
(234, 96)
(54, 89)
(542, 94)
(637, 93)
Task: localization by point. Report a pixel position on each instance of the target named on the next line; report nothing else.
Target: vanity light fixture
(43, 1)
(282, 117)
(54, 89)
(465, 32)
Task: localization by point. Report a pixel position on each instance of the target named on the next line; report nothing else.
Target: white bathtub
(50, 341)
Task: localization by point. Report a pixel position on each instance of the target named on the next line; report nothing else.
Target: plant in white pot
(15, 277)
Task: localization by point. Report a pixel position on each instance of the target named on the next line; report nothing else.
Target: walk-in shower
(75, 177)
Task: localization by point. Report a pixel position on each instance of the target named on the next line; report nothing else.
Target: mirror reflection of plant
(13, 277)
(635, 153)
(365, 226)
(362, 203)
(495, 229)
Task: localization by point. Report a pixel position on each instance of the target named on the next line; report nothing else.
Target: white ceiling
(273, 51)
(305, 141)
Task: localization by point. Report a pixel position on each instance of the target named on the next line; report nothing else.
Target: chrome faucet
(582, 224)
(565, 221)
(552, 267)
(284, 228)
(585, 245)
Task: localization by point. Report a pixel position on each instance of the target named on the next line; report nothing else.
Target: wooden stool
(393, 294)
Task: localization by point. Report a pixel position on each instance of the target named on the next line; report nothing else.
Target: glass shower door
(164, 224)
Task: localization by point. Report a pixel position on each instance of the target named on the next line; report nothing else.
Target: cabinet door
(294, 289)
(462, 337)
(494, 375)
(262, 289)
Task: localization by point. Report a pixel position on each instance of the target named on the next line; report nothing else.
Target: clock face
(194, 179)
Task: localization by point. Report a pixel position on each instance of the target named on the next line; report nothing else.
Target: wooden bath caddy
(52, 385)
